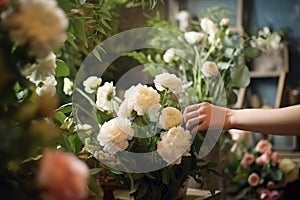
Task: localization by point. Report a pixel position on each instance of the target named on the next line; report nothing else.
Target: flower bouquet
(141, 138)
(259, 173)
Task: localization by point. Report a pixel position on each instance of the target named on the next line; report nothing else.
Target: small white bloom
(91, 84)
(169, 55)
(169, 118)
(174, 144)
(208, 26)
(193, 37)
(169, 81)
(105, 96)
(87, 128)
(239, 135)
(225, 22)
(41, 70)
(68, 86)
(210, 69)
(114, 135)
(142, 99)
(275, 41)
(48, 87)
(40, 24)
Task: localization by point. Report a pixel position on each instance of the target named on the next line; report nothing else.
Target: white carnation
(193, 37)
(48, 87)
(68, 86)
(169, 118)
(210, 69)
(169, 81)
(114, 135)
(105, 96)
(174, 144)
(40, 24)
(91, 84)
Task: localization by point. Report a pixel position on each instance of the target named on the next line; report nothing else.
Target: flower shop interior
(106, 99)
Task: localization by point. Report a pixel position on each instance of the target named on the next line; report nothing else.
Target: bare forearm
(272, 121)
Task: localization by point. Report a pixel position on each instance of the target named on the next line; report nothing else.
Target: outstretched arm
(282, 121)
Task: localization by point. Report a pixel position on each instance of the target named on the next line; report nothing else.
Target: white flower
(91, 84)
(169, 81)
(142, 99)
(105, 96)
(169, 55)
(239, 135)
(169, 118)
(84, 127)
(40, 24)
(114, 135)
(208, 26)
(174, 144)
(193, 37)
(210, 69)
(274, 41)
(48, 87)
(68, 86)
(41, 70)
(225, 22)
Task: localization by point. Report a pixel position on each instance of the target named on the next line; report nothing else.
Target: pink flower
(247, 160)
(263, 146)
(264, 194)
(283, 183)
(275, 157)
(253, 179)
(264, 158)
(275, 194)
(62, 176)
(270, 185)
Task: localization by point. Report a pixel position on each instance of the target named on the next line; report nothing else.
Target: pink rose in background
(271, 185)
(247, 160)
(275, 194)
(264, 194)
(263, 146)
(264, 158)
(253, 179)
(275, 157)
(62, 176)
(283, 183)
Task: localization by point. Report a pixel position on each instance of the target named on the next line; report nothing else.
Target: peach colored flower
(253, 179)
(263, 146)
(275, 157)
(264, 158)
(247, 160)
(62, 176)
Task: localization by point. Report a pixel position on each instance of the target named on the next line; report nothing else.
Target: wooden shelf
(264, 74)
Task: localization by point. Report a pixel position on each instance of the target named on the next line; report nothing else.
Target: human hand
(203, 116)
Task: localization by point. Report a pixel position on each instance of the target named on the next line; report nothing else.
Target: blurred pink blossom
(62, 176)
(264, 158)
(264, 194)
(247, 160)
(263, 146)
(253, 179)
(275, 157)
(271, 185)
(275, 194)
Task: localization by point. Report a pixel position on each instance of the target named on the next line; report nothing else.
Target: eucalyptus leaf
(95, 171)
(62, 69)
(252, 52)
(240, 76)
(93, 186)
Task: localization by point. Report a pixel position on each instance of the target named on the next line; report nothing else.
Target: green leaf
(240, 76)
(141, 191)
(277, 175)
(62, 69)
(166, 176)
(60, 117)
(252, 52)
(95, 171)
(93, 186)
(80, 31)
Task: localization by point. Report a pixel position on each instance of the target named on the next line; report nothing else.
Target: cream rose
(62, 175)
(174, 144)
(210, 69)
(169, 118)
(289, 169)
(42, 31)
(105, 96)
(114, 135)
(91, 84)
(208, 26)
(169, 81)
(193, 37)
(142, 99)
